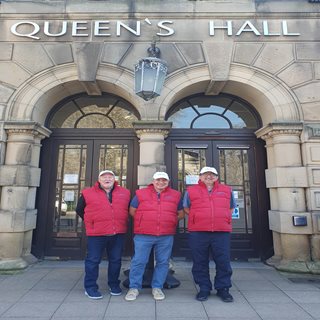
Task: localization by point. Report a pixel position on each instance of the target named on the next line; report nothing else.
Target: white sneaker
(158, 294)
(132, 294)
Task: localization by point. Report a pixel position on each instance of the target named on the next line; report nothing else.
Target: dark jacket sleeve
(80, 207)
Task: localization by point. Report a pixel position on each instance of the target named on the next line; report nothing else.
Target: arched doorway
(219, 131)
(89, 134)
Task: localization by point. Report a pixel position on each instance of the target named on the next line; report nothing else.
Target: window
(106, 111)
(214, 112)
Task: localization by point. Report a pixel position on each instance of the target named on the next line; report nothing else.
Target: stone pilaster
(286, 178)
(151, 136)
(311, 159)
(19, 178)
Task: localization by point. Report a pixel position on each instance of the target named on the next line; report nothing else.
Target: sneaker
(158, 294)
(202, 295)
(132, 294)
(115, 291)
(93, 294)
(224, 295)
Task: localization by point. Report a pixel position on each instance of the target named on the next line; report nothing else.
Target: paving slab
(54, 290)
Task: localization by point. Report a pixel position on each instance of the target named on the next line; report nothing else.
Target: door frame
(262, 236)
(48, 166)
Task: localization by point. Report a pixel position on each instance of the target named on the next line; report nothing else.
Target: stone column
(19, 179)
(286, 179)
(152, 136)
(311, 159)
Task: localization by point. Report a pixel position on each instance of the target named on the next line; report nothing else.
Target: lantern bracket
(154, 51)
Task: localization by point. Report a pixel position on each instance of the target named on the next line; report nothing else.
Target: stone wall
(266, 52)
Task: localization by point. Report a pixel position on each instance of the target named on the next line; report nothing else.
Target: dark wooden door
(236, 162)
(68, 166)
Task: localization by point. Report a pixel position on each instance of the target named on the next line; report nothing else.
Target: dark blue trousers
(96, 246)
(201, 243)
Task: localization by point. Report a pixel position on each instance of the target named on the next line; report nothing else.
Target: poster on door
(192, 179)
(70, 178)
(236, 213)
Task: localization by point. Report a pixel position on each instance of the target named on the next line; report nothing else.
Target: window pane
(244, 117)
(237, 122)
(234, 171)
(122, 118)
(95, 121)
(207, 108)
(182, 118)
(115, 156)
(70, 177)
(107, 111)
(211, 121)
(214, 112)
(190, 161)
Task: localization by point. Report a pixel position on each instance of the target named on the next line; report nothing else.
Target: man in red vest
(104, 209)
(156, 210)
(209, 205)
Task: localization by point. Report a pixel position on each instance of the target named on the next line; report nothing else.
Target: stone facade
(266, 52)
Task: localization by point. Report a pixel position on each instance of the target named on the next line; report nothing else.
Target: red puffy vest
(209, 211)
(102, 217)
(156, 216)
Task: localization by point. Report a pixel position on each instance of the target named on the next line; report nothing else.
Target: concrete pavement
(54, 290)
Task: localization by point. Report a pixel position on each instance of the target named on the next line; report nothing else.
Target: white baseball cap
(209, 169)
(105, 171)
(159, 175)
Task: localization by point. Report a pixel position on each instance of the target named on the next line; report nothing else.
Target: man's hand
(180, 214)
(132, 211)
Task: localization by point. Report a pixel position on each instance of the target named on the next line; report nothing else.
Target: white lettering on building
(161, 25)
(122, 25)
(106, 28)
(76, 28)
(34, 26)
(249, 27)
(266, 31)
(227, 27)
(285, 30)
(99, 26)
(46, 29)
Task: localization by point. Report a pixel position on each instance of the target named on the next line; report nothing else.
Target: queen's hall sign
(183, 29)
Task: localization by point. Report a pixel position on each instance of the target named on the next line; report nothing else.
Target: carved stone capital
(152, 127)
(280, 129)
(141, 132)
(24, 128)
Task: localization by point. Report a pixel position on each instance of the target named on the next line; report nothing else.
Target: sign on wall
(114, 29)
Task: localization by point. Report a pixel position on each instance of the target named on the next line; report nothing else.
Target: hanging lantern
(150, 74)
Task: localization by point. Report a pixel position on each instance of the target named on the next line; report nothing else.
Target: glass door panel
(70, 180)
(190, 161)
(118, 156)
(115, 158)
(234, 171)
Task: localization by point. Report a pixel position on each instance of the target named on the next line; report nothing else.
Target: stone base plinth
(8, 266)
(311, 267)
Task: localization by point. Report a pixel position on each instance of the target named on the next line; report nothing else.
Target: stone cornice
(141, 132)
(277, 128)
(26, 128)
(152, 126)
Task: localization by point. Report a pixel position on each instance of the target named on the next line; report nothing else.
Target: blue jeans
(201, 243)
(96, 245)
(142, 248)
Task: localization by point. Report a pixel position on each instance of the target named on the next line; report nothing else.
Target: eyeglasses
(106, 178)
(209, 174)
